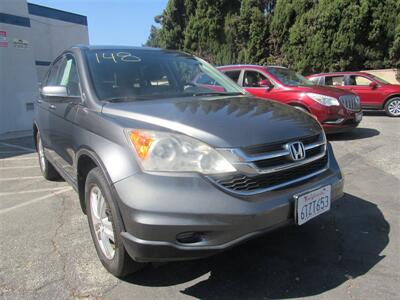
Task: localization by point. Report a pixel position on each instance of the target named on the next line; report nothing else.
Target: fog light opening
(336, 121)
(190, 237)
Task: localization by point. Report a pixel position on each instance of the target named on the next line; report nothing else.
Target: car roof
(340, 73)
(239, 66)
(111, 47)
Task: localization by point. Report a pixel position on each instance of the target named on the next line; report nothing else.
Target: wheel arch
(295, 103)
(86, 160)
(389, 98)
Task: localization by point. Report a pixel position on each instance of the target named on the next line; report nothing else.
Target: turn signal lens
(141, 142)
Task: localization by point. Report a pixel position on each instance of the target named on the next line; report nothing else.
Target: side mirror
(54, 91)
(373, 85)
(266, 83)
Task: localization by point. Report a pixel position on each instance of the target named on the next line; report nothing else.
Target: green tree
(341, 35)
(307, 35)
(154, 39)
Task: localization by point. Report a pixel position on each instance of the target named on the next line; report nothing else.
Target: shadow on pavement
(375, 113)
(16, 147)
(293, 262)
(355, 134)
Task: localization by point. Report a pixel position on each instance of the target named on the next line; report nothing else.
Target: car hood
(324, 90)
(221, 122)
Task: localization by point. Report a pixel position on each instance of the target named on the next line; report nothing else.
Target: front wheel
(106, 225)
(392, 107)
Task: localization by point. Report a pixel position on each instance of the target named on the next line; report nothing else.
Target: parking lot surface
(351, 252)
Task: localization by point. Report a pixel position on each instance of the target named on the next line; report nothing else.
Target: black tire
(390, 103)
(47, 169)
(121, 263)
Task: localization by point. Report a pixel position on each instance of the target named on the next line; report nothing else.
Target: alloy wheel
(394, 107)
(102, 222)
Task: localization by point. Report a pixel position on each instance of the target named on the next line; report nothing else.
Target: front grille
(351, 102)
(253, 150)
(244, 183)
(273, 162)
(270, 166)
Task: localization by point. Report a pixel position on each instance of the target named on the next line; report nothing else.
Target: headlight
(324, 100)
(171, 152)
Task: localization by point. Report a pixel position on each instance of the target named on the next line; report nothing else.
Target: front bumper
(336, 118)
(341, 122)
(156, 209)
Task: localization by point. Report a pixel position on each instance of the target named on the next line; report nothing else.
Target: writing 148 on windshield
(116, 57)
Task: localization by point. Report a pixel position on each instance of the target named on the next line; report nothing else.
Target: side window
(252, 78)
(68, 76)
(316, 80)
(358, 80)
(334, 80)
(234, 75)
(205, 79)
(53, 73)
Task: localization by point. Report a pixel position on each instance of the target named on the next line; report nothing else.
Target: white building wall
(18, 79)
(22, 68)
(51, 37)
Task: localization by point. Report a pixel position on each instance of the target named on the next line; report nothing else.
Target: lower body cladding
(181, 217)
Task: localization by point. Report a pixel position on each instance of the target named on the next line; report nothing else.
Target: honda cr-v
(168, 170)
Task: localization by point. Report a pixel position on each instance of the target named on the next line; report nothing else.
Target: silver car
(172, 160)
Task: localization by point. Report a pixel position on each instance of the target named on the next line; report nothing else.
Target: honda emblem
(296, 150)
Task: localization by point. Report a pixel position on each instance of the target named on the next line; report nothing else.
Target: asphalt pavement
(351, 252)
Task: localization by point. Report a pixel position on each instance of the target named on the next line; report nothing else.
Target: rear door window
(358, 80)
(334, 80)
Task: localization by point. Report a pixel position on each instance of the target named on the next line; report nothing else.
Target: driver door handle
(52, 106)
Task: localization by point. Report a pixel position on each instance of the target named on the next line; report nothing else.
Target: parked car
(335, 109)
(168, 170)
(374, 92)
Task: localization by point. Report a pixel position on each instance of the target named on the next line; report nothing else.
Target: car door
(43, 106)
(250, 82)
(367, 89)
(62, 113)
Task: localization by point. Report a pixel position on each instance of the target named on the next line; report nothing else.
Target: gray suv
(172, 160)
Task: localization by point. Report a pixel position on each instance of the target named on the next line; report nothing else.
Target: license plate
(359, 116)
(312, 204)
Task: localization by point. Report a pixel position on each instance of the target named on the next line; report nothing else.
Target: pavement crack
(56, 247)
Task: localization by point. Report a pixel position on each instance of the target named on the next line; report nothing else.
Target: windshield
(379, 79)
(137, 74)
(289, 77)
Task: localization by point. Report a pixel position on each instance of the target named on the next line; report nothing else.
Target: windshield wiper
(216, 94)
(119, 99)
(130, 98)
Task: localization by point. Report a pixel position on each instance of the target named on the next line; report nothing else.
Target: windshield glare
(131, 74)
(289, 77)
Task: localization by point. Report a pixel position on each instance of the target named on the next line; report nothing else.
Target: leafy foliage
(307, 35)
